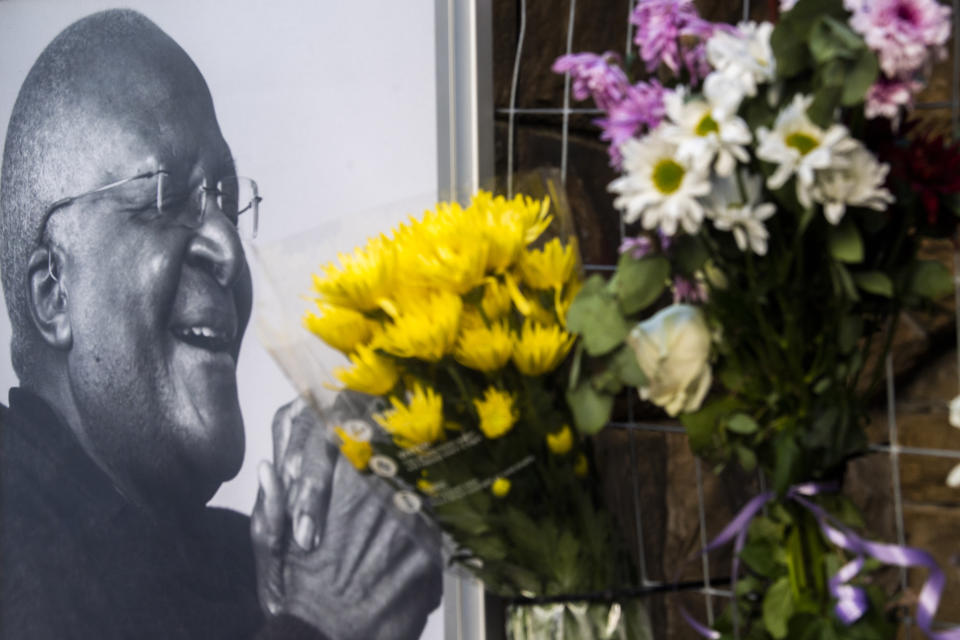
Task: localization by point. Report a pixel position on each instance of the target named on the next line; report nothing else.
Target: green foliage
(701, 426)
(876, 282)
(639, 282)
(930, 279)
(845, 242)
(595, 315)
(591, 407)
(742, 423)
(778, 606)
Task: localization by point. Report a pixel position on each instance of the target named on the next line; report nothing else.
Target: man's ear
(48, 297)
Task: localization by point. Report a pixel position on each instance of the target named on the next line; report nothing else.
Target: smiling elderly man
(129, 292)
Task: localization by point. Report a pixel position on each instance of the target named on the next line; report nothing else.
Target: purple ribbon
(851, 600)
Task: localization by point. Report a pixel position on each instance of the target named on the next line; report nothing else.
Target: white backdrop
(329, 105)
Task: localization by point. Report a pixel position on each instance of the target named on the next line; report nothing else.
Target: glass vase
(579, 620)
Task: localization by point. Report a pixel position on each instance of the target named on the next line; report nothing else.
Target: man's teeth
(204, 332)
(203, 335)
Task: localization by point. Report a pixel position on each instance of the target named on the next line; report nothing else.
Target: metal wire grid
(894, 449)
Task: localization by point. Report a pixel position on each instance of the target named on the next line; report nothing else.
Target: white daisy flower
(857, 184)
(741, 213)
(801, 148)
(657, 187)
(705, 130)
(745, 56)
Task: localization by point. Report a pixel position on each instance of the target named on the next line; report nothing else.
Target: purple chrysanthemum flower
(901, 32)
(665, 240)
(690, 291)
(637, 247)
(641, 106)
(593, 75)
(663, 29)
(886, 97)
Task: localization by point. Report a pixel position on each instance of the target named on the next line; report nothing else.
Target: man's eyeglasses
(236, 197)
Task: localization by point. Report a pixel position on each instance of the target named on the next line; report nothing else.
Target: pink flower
(901, 32)
(637, 247)
(672, 33)
(593, 75)
(686, 290)
(641, 106)
(887, 96)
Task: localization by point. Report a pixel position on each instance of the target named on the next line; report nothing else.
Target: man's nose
(216, 247)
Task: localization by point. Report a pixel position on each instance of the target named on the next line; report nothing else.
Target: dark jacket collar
(49, 451)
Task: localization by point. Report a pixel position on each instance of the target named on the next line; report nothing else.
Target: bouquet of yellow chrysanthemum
(457, 320)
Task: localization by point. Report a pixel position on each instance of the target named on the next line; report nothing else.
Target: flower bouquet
(777, 203)
(457, 321)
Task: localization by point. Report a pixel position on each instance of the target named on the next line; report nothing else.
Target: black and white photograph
(480, 319)
(157, 479)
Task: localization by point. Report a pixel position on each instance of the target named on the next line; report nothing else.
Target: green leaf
(590, 408)
(489, 547)
(787, 456)
(462, 516)
(701, 424)
(565, 565)
(931, 279)
(596, 317)
(608, 382)
(688, 254)
(789, 38)
(746, 456)
(759, 557)
(640, 282)
(843, 282)
(845, 242)
(848, 332)
(825, 102)
(875, 282)
(777, 608)
(830, 38)
(860, 77)
(742, 423)
(576, 366)
(627, 369)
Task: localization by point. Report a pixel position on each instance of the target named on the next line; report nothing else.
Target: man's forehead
(145, 116)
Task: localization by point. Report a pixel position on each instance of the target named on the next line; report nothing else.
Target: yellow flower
(371, 373)
(424, 327)
(417, 422)
(507, 226)
(500, 487)
(581, 466)
(426, 486)
(485, 348)
(560, 442)
(534, 215)
(539, 350)
(496, 301)
(504, 234)
(362, 280)
(445, 250)
(496, 411)
(358, 452)
(550, 267)
(564, 302)
(471, 318)
(540, 314)
(341, 328)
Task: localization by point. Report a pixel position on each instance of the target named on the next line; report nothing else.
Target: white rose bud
(673, 349)
(953, 478)
(955, 412)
